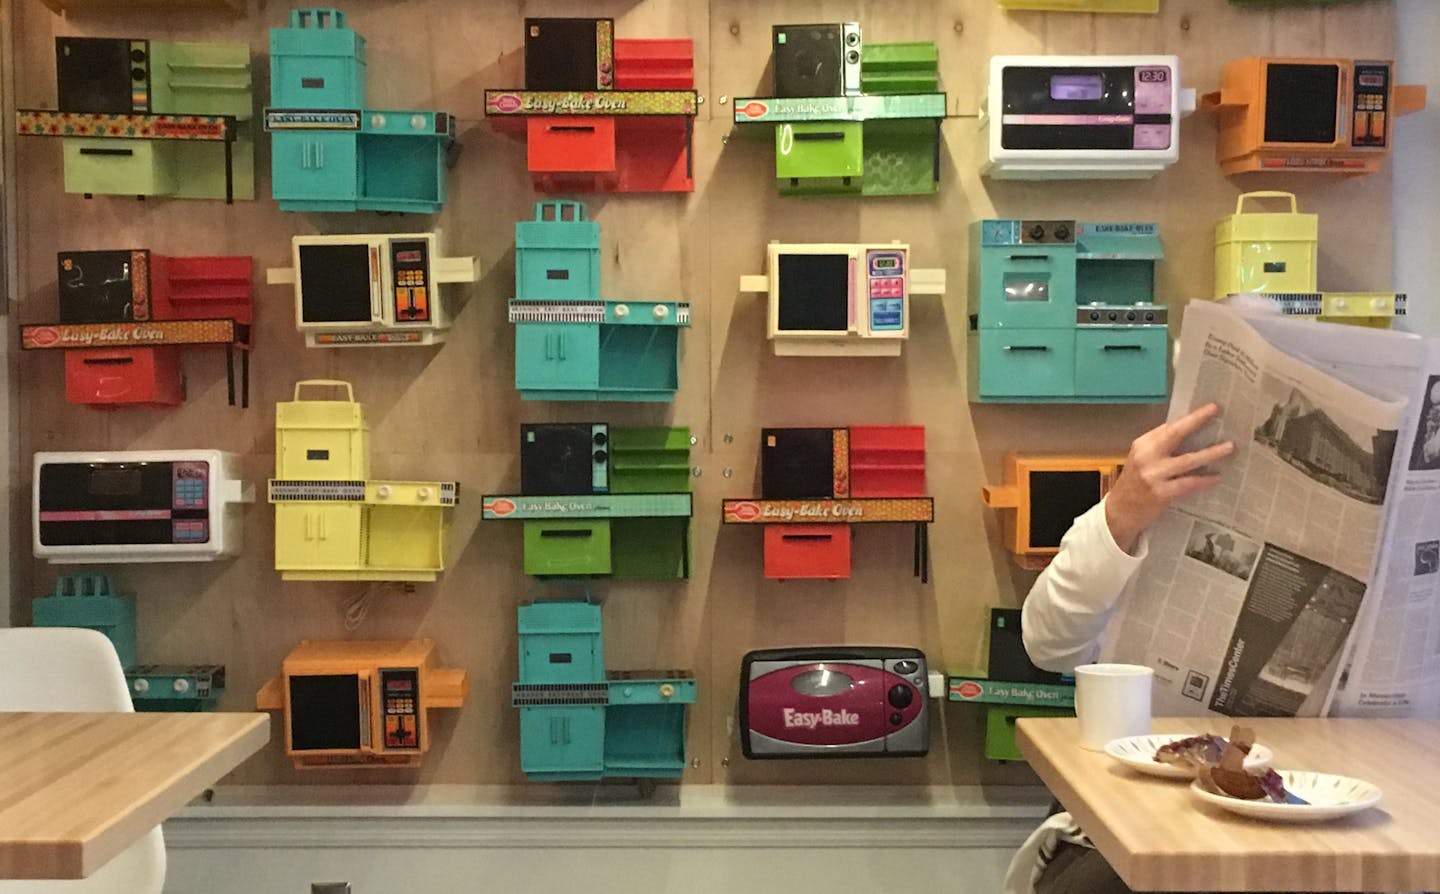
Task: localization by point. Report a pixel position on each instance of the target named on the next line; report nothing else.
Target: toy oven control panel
(1121, 315)
(190, 493)
(885, 271)
(400, 694)
(410, 268)
(1372, 94)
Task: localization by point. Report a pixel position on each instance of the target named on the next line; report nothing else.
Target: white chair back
(60, 669)
(69, 669)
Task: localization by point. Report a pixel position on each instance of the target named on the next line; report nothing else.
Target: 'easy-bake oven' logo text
(86, 336)
(540, 103)
(788, 511)
(811, 719)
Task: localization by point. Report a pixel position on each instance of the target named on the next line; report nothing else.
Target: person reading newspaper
(1065, 615)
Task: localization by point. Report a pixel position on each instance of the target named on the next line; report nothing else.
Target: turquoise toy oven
(578, 722)
(89, 600)
(570, 344)
(1065, 312)
(328, 151)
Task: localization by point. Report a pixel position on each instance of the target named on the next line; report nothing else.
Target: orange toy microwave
(360, 704)
(1321, 115)
(1047, 494)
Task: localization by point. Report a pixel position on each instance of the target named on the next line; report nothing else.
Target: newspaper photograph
(1250, 592)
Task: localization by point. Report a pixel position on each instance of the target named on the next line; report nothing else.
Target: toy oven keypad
(400, 688)
(191, 486)
(887, 289)
(412, 293)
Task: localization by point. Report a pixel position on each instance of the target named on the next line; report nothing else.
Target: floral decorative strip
(838, 511)
(151, 334)
(590, 102)
(203, 128)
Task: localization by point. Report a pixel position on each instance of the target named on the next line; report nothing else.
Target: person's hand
(1154, 477)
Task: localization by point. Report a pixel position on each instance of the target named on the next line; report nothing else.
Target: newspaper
(1253, 595)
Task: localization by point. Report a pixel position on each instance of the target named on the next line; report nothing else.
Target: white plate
(1329, 796)
(1138, 753)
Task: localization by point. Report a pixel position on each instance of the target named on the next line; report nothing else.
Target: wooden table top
(77, 789)
(1159, 836)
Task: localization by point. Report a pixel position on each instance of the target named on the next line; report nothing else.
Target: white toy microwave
(840, 299)
(1083, 117)
(379, 289)
(138, 506)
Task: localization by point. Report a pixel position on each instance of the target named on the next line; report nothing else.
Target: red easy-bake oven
(834, 701)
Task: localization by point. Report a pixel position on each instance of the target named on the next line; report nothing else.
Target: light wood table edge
(111, 840)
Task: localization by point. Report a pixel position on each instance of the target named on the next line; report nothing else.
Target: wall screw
(695, 471)
(694, 440)
(959, 27)
(694, 763)
(724, 761)
(728, 472)
(729, 438)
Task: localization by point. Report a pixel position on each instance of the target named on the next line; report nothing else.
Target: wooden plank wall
(452, 412)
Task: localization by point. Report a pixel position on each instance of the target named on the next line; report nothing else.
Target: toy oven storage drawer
(119, 167)
(1120, 362)
(1027, 286)
(825, 149)
(100, 377)
(1000, 720)
(807, 551)
(570, 144)
(1027, 363)
(567, 547)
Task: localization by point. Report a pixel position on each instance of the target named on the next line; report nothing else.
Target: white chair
(69, 669)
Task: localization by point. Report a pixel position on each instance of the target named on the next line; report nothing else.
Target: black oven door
(1068, 108)
(797, 463)
(335, 283)
(813, 293)
(102, 75)
(103, 286)
(114, 503)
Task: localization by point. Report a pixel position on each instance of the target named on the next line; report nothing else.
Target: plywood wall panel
(452, 412)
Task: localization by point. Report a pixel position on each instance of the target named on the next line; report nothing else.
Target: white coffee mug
(1112, 701)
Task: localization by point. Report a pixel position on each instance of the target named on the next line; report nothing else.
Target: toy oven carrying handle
(560, 211)
(1266, 194)
(325, 383)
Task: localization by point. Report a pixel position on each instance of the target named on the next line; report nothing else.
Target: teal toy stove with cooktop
(580, 722)
(328, 151)
(89, 600)
(1064, 312)
(570, 344)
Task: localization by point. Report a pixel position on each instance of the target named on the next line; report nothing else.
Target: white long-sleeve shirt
(1064, 617)
(1063, 623)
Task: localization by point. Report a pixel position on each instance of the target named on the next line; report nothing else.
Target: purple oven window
(1077, 87)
